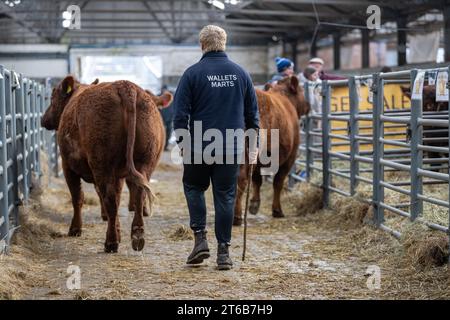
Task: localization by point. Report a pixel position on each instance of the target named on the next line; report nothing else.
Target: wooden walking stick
(250, 174)
(253, 148)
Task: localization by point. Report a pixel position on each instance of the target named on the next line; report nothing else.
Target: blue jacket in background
(217, 92)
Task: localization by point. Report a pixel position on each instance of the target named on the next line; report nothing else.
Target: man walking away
(218, 93)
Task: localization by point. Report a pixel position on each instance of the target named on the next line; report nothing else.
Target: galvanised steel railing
(22, 103)
(361, 146)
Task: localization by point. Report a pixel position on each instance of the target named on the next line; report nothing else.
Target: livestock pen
(301, 256)
(376, 147)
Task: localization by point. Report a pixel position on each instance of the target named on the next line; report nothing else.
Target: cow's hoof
(254, 206)
(111, 247)
(237, 221)
(105, 218)
(137, 243)
(137, 238)
(277, 214)
(74, 232)
(146, 214)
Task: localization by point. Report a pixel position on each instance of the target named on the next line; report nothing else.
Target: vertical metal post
(308, 138)
(11, 110)
(21, 131)
(378, 149)
(32, 115)
(448, 229)
(353, 132)
(56, 153)
(416, 154)
(326, 143)
(39, 134)
(27, 93)
(4, 212)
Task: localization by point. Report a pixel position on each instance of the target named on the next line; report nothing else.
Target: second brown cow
(280, 108)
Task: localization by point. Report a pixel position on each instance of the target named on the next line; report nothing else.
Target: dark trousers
(223, 177)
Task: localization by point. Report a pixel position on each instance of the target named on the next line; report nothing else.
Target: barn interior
(34, 39)
(324, 249)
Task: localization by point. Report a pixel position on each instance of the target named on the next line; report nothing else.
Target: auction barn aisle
(291, 258)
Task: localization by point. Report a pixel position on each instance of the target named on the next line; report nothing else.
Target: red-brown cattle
(280, 108)
(107, 133)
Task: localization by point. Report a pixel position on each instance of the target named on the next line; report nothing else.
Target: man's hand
(253, 155)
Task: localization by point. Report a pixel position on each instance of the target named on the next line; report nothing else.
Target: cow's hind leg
(74, 183)
(132, 200)
(110, 196)
(103, 211)
(137, 226)
(255, 202)
(278, 183)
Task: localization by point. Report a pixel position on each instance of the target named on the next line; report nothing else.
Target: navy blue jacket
(217, 92)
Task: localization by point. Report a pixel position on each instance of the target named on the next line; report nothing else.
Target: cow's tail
(128, 95)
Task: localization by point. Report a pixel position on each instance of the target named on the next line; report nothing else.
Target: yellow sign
(394, 99)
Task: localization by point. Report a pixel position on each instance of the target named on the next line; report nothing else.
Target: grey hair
(213, 38)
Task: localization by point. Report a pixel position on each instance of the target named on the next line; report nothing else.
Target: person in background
(309, 74)
(167, 116)
(386, 69)
(285, 68)
(317, 63)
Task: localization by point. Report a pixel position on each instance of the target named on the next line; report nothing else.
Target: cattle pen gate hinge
(374, 88)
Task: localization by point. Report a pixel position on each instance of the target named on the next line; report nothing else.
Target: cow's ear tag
(69, 89)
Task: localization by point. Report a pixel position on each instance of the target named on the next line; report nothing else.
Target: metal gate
(22, 103)
(374, 147)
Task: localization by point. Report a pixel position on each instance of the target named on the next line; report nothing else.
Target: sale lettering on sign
(394, 99)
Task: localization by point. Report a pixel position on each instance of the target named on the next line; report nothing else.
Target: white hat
(316, 60)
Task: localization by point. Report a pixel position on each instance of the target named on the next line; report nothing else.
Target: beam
(401, 40)
(313, 48)
(207, 11)
(192, 28)
(294, 52)
(337, 50)
(353, 3)
(278, 22)
(150, 10)
(447, 31)
(365, 48)
(6, 11)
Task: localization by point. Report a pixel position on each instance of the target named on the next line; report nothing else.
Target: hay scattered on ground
(35, 231)
(181, 233)
(21, 268)
(82, 295)
(91, 200)
(351, 210)
(164, 166)
(305, 198)
(425, 247)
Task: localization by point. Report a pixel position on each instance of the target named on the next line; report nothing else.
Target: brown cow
(107, 133)
(280, 108)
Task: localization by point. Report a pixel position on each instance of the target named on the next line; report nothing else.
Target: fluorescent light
(218, 4)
